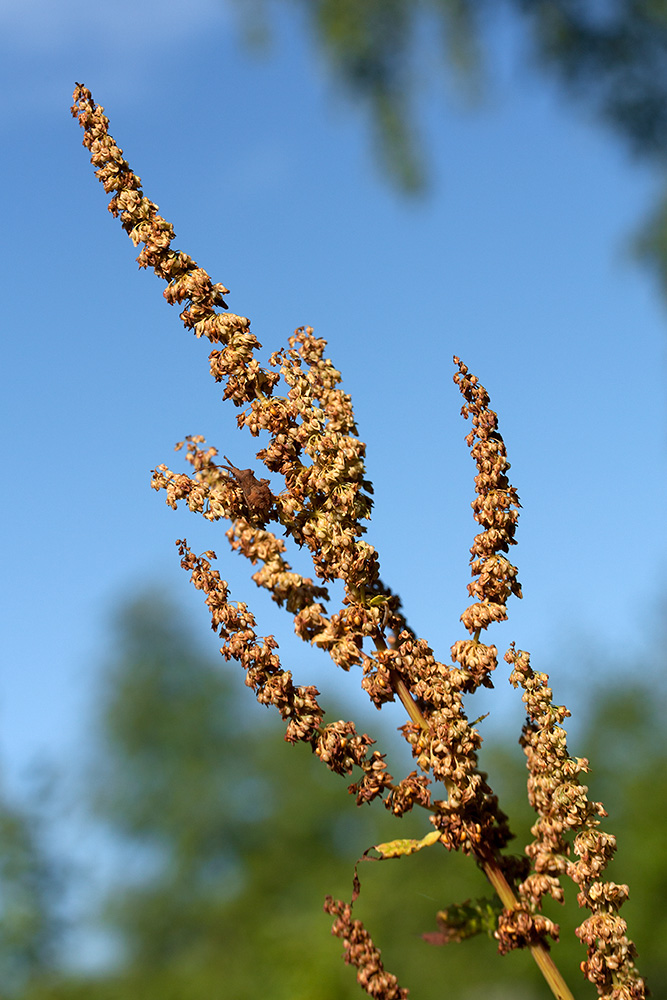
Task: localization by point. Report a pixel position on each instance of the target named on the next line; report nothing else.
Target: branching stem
(488, 862)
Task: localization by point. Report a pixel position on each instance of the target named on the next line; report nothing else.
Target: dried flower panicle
(296, 592)
(361, 952)
(187, 282)
(327, 496)
(470, 819)
(496, 509)
(312, 444)
(565, 812)
(210, 493)
(338, 744)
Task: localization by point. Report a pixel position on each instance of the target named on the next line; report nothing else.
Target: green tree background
(244, 835)
(29, 887)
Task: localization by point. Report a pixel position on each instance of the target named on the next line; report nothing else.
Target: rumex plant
(312, 445)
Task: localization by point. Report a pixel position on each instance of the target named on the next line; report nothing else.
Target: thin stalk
(539, 951)
(487, 861)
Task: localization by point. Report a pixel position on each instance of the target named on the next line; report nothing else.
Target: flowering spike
(312, 444)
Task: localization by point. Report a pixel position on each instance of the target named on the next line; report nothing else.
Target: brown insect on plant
(256, 492)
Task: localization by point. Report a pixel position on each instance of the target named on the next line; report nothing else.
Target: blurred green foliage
(29, 926)
(609, 57)
(242, 837)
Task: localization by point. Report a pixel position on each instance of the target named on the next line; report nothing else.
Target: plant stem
(539, 951)
(488, 862)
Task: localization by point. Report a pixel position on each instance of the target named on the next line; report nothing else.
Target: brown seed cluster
(496, 509)
(338, 745)
(187, 282)
(446, 745)
(519, 928)
(311, 444)
(361, 952)
(568, 824)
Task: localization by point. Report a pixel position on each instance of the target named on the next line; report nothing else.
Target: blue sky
(517, 261)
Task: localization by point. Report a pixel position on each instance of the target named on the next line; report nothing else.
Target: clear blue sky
(517, 261)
